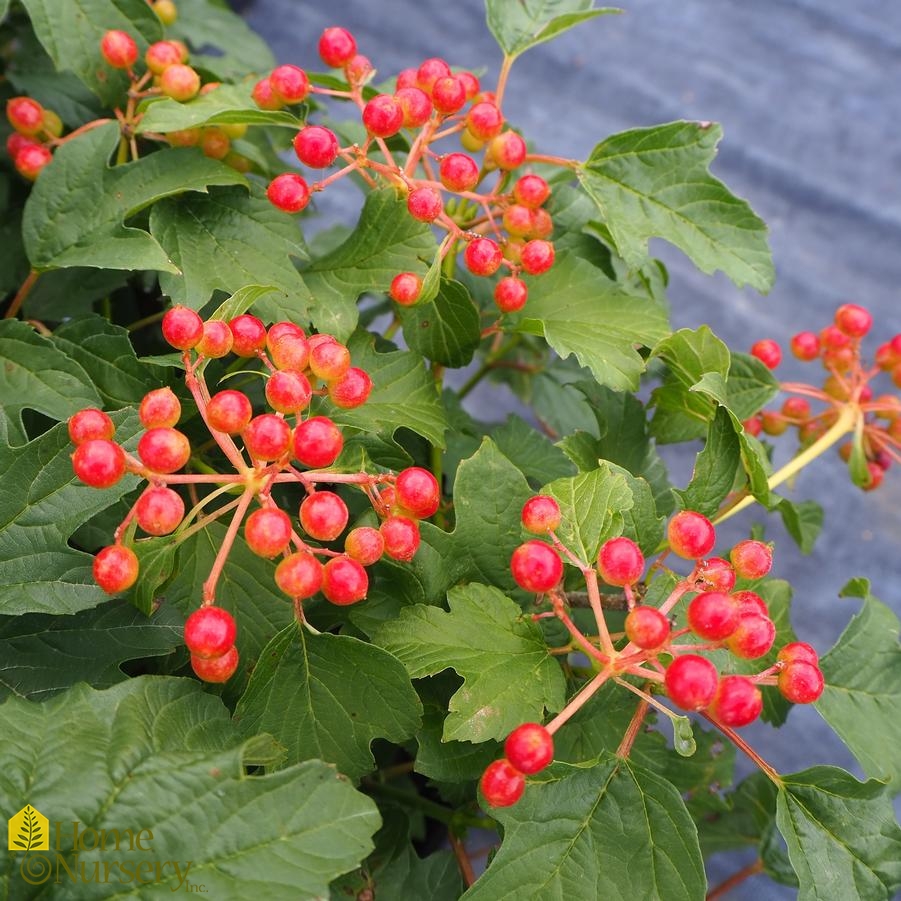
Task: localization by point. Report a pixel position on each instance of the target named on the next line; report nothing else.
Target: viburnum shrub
(266, 561)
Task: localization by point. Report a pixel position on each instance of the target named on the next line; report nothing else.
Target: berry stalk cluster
(289, 443)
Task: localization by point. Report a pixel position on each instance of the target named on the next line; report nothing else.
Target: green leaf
(4, 8)
(227, 240)
(209, 25)
(37, 375)
(641, 522)
(716, 467)
(803, 520)
(436, 877)
(750, 386)
(70, 33)
(654, 183)
(44, 654)
(386, 240)
(449, 761)
(240, 302)
(579, 311)
(161, 755)
(63, 293)
(519, 26)
(75, 214)
(229, 104)
(107, 355)
(446, 330)
(842, 838)
(862, 696)
(403, 394)
(531, 452)
(327, 697)
(592, 505)
(509, 677)
(42, 505)
(566, 838)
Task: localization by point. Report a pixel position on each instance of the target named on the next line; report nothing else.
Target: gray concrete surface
(808, 95)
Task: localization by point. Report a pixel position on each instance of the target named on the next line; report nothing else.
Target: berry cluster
(37, 131)
(670, 659)
(287, 444)
(847, 387)
(504, 228)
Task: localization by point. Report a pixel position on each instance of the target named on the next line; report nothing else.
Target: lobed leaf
(447, 330)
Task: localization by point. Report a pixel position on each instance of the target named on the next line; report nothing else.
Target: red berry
(317, 442)
(805, 346)
(482, 256)
(768, 352)
(750, 602)
(753, 426)
(268, 531)
(229, 411)
(288, 192)
(264, 96)
(337, 47)
(800, 682)
(25, 115)
(886, 358)
(502, 784)
(210, 632)
(417, 492)
(620, 561)
(180, 82)
(401, 537)
(119, 49)
(716, 573)
(691, 535)
(216, 669)
(531, 191)
(405, 288)
(425, 204)
(16, 143)
(751, 559)
(323, 515)
(737, 703)
(279, 330)
(299, 575)
(510, 294)
(537, 256)
(90, 424)
(518, 220)
(833, 338)
(159, 510)
(364, 544)
(713, 615)
(753, 637)
(182, 327)
(99, 462)
(471, 83)
(217, 339)
(288, 391)
(383, 116)
(507, 150)
(159, 408)
(359, 69)
(350, 390)
(164, 450)
(344, 581)
(267, 437)
(536, 566)
(161, 55)
(329, 360)
(691, 682)
(647, 627)
(249, 335)
(31, 160)
(855, 321)
(416, 106)
(540, 514)
(115, 568)
(316, 146)
(458, 172)
(430, 71)
(484, 120)
(529, 748)
(289, 83)
(798, 652)
(773, 423)
(796, 408)
(448, 94)
(290, 352)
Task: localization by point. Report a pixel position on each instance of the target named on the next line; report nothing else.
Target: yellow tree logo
(29, 830)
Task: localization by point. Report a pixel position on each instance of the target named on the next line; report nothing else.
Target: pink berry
(854, 320)
(620, 561)
(216, 669)
(268, 531)
(537, 256)
(417, 492)
(119, 49)
(510, 294)
(164, 450)
(289, 83)
(502, 784)
(264, 96)
(425, 204)
(290, 352)
(529, 748)
(768, 352)
(299, 575)
(484, 120)
(317, 442)
(344, 581)
(713, 615)
(416, 106)
(448, 94)
(716, 573)
(337, 47)
(159, 510)
(691, 535)
(531, 191)
(25, 115)
(751, 559)
(401, 537)
(458, 172)
(316, 146)
(229, 411)
(405, 288)
(365, 545)
(216, 341)
(482, 256)
(691, 682)
(753, 637)
(161, 55)
(541, 514)
(267, 437)
(180, 82)
(383, 116)
(210, 632)
(182, 327)
(801, 682)
(288, 391)
(647, 627)
(99, 462)
(536, 567)
(798, 652)
(350, 390)
(115, 568)
(430, 71)
(323, 515)
(329, 360)
(737, 703)
(805, 346)
(288, 192)
(90, 424)
(508, 150)
(750, 602)
(249, 335)
(159, 408)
